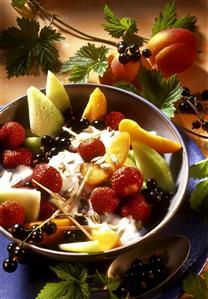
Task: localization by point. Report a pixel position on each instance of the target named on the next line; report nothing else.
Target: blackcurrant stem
(83, 35)
(195, 110)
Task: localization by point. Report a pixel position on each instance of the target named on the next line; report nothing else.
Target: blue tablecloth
(26, 282)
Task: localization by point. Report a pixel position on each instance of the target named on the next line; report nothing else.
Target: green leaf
(199, 170)
(28, 46)
(53, 290)
(110, 283)
(168, 19)
(18, 3)
(199, 199)
(126, 86)
(195, 286)
(125, 27)
(88, 58)
(160, 92)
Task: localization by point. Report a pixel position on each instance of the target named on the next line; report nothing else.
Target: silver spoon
(174, 250)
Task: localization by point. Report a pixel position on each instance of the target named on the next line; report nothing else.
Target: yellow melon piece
(96, 107)
(96, 174)
(117, 152)
(159, 143)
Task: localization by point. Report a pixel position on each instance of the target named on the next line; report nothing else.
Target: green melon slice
(56, 92)
(28, 198)
(81, 247)
(45, 118)
(153, 165)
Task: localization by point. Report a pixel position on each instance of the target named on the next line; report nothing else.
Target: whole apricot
(173, 50)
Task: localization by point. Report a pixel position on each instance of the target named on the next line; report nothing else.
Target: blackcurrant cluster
(17, 254)
(193, 105)
(72, 236)
(132, 52)
(141, 277)
(154, 195)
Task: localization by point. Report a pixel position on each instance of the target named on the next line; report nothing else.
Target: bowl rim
(55, 254)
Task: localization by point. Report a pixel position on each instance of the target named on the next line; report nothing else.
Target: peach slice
(96, 174)
(96, 107)
(159, 143)
(117, 152)
(108, 239)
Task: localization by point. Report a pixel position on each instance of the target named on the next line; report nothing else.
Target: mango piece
(117, 152)
(159, 143)
(108, 239)
(96, 107)
(60, 222)
(96, 175)
(153, 165)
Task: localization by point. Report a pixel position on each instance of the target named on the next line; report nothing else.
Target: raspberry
(12, 135)
(46, 209)
(19, 156)
(113, 118)
(104, 200)
(137, 207)
(11, 213)
(47, 176)
(126, 181)
(90, 149)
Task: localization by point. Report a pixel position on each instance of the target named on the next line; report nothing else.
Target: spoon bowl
(174, 251)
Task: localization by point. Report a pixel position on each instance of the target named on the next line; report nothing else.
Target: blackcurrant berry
(9, 265)
(36, 236)
(133, 49)
(151, 183)
(28, 184)
(155, 260)
(185, 92)
(10, 248)
(47, 141)
(84, 123)
(121, 47)
(184, 107)
(196, 124)
(49, 228)
(199, 106)
(53, 151)
(124, 58)
(19, 252)
(204, 95)
(18, 231)
(146, 53)
(137, 264)
(81, 219)
(74, 236)
(136, 57)
(205, 125)
(98, 124)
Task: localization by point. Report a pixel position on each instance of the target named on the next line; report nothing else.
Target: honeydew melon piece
(81, 247)
(33, 144)
(152, 165)
(44, 117)
(56, 92)
(28, 198)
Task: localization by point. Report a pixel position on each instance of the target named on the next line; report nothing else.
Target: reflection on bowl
(151, 119)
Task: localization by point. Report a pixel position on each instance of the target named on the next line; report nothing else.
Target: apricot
(118, 72)
(160, 144)
(173, 50)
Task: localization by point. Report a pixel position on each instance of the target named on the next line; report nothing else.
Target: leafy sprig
(30, 46)
(168, 19)
(74, 283)
(124, 28)
(199, 196)
(88, 58)
(195, 286)
(159, 91)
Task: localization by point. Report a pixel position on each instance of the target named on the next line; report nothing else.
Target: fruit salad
(82, 182)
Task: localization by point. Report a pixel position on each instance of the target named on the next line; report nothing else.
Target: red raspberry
(46, 209)
(12, 135)
(113, 118)
(47, 176)
(11, 213)
(19, 156)
(126, 181)
(90, 149)
(104, 200)
(137, 207)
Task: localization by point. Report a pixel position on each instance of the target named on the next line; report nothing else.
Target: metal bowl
(150, 118)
